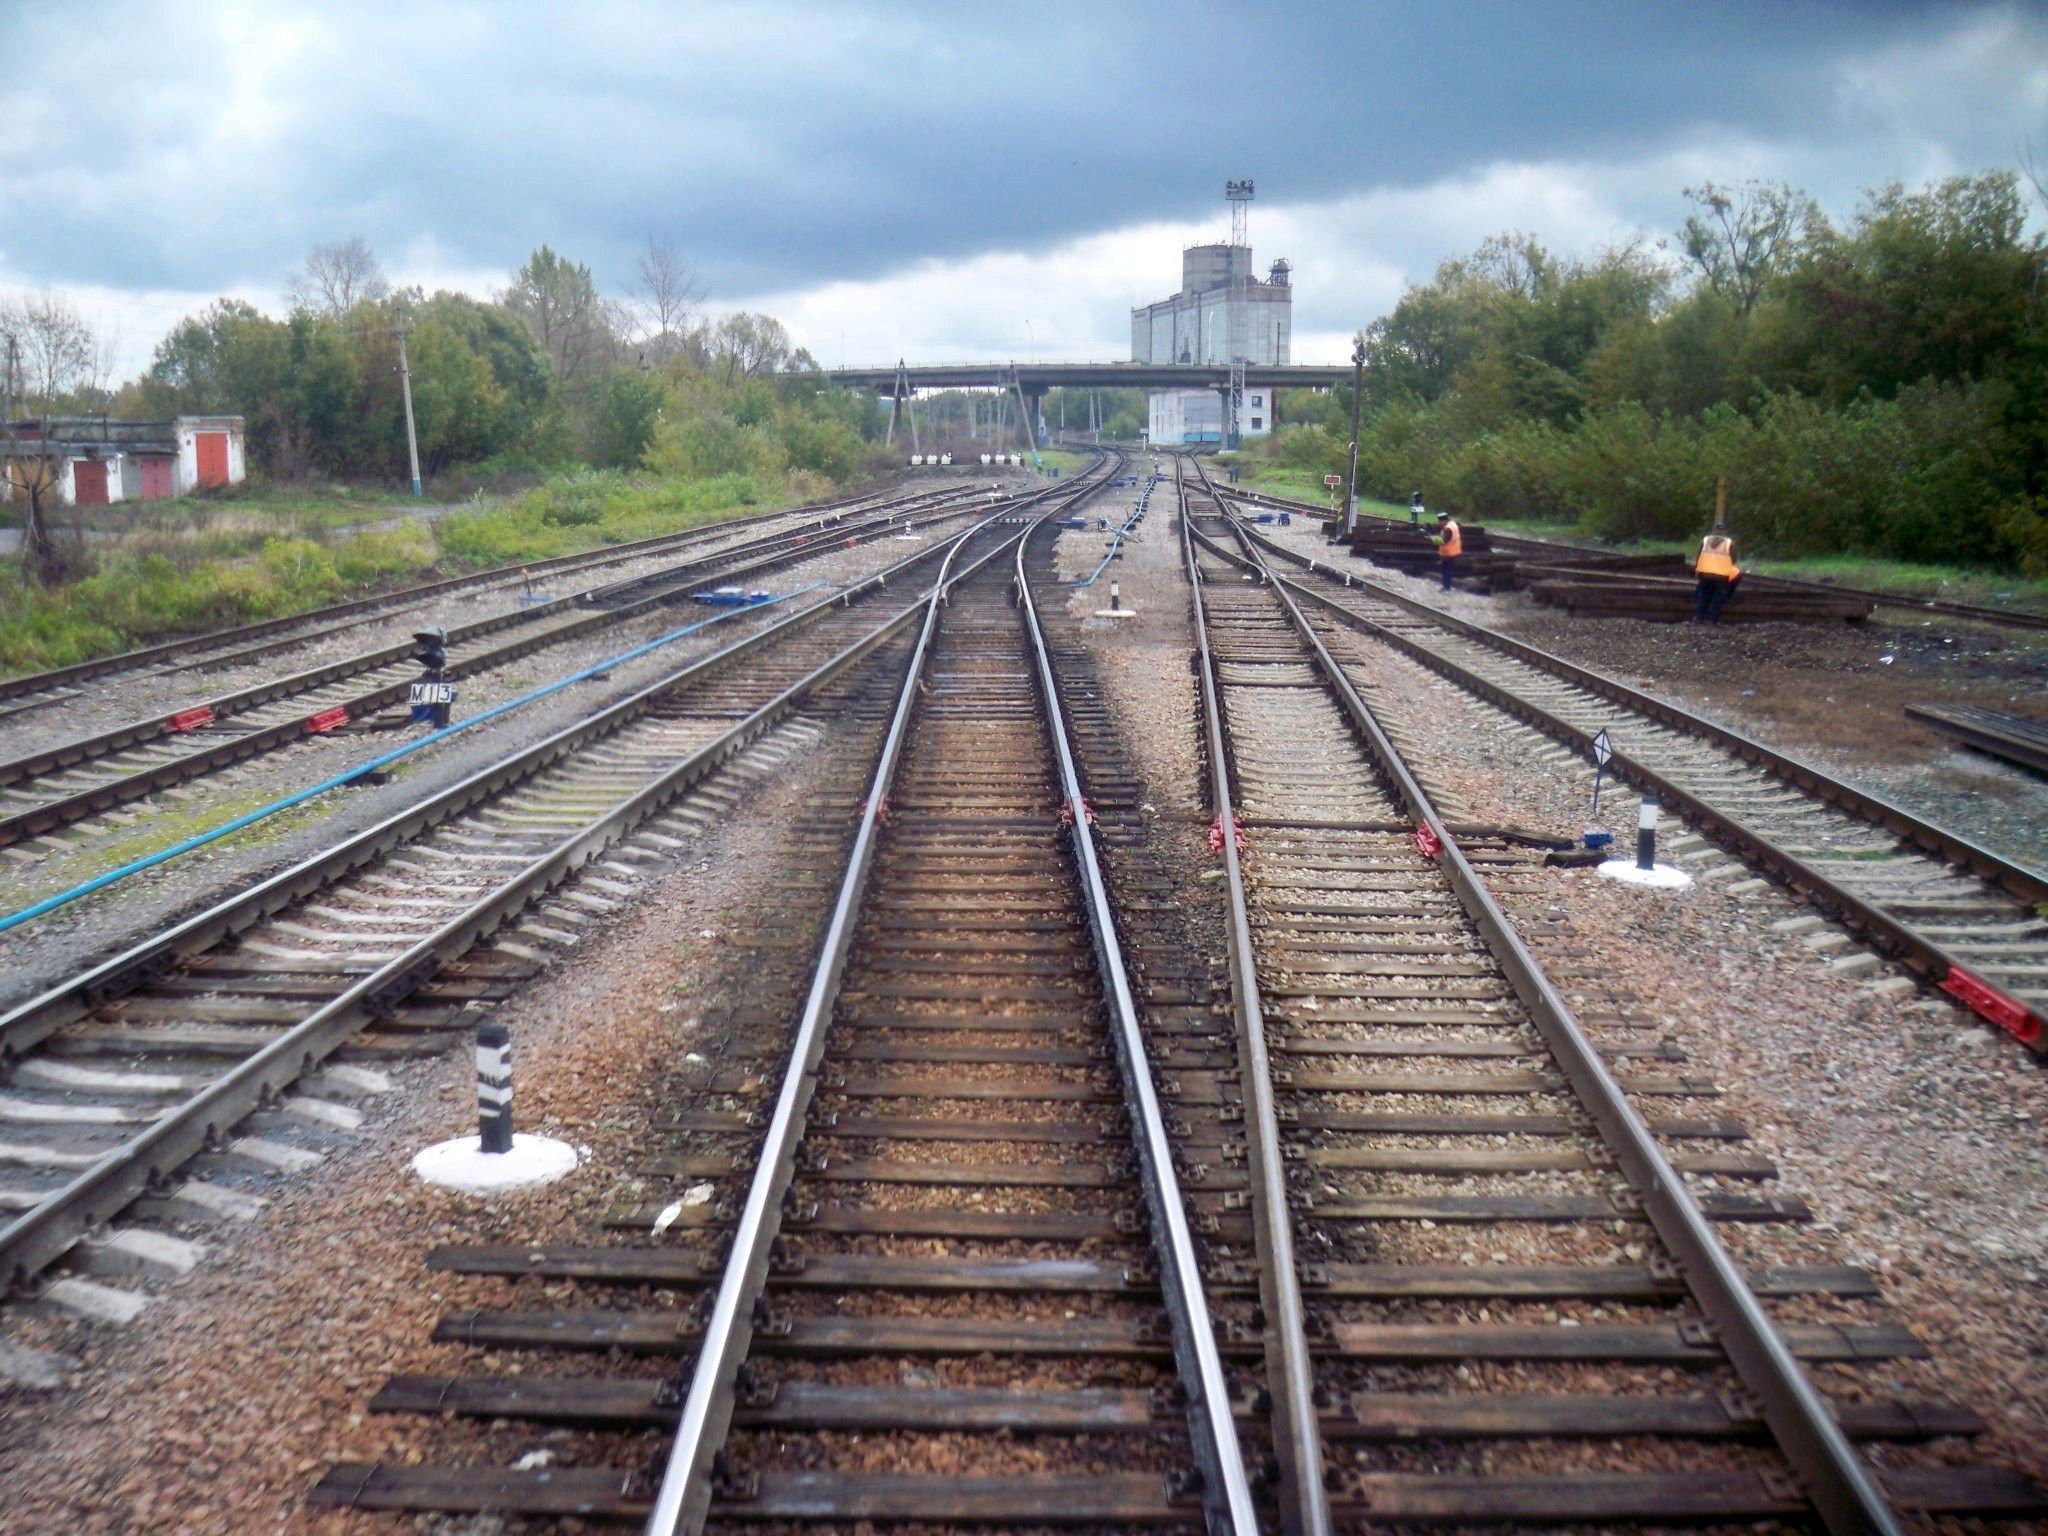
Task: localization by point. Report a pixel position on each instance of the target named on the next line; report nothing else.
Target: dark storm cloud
(783, 146)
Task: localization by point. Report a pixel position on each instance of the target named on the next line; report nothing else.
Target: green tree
(1742, 236)
(567, 317)
(624, 409)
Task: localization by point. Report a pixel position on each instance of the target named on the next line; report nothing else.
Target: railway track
(959, 1285)
(247, 642)
(62, 787)
(1962, 917)
(118, 1079)
(1536, 1279)
(907, 1283)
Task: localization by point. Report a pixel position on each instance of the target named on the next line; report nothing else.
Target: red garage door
(89, 482)
(213, 458)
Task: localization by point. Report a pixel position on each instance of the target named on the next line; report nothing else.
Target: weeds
(205, 563)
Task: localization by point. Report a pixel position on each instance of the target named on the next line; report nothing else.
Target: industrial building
(1222, 315)
(98, 461)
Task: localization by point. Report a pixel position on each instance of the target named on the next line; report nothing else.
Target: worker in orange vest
(1450, 543)
(1717, 573)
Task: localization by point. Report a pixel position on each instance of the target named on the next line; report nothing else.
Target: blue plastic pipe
(1115, 543)
(349, 776)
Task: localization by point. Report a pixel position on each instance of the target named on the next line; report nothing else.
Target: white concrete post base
(463, 1164)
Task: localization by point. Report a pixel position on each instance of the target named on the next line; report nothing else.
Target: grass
(216, 563)
(160, 828)
(148, 589)
(590, 508)
(1066, 460)
(1950, 583)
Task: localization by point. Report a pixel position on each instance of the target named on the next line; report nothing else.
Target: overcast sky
(917, 180)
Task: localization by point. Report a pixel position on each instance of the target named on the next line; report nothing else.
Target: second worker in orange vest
(1450, 543)
(1717, 572)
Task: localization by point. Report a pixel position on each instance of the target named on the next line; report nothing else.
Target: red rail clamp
(1427, 842)
(1216, 834)
(1985, 1000)
(328, 720)
(190, 719)
(1067, 815)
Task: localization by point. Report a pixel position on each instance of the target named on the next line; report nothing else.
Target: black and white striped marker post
(1646, 835)
(494, 1087)
(1115, 597)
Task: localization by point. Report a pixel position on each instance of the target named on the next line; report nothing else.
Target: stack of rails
(1964, 917)
(1413, 552)
(118, 1078)
(956, 1284)
(1661, 589)
(54, 788)
(2012, 737)
(1514, 1307)
(1591, 583)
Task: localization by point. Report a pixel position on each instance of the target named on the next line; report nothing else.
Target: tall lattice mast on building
(1238, 327)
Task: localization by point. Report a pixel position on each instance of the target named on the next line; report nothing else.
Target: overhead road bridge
(1029, 383)
(1037, 378)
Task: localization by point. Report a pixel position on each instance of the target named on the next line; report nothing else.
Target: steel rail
(1886, 933)
(143, 656)
(37, 1237)
(1290, 1373)
(683, 1501)
(1226, 1495)
(771, 554)
(1844, 1493)
(149, 728)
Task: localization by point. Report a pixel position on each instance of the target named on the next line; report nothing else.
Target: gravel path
(1144, 661)
(1834, 694)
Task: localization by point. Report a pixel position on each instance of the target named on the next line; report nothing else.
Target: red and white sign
(1333, 481)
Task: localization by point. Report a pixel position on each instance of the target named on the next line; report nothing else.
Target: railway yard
(1077, 1004)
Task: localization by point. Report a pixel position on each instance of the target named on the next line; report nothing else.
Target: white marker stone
(463, 1164)
(1664, 877)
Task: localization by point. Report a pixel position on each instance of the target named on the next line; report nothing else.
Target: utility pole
(412, 441)
(1357, 399)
